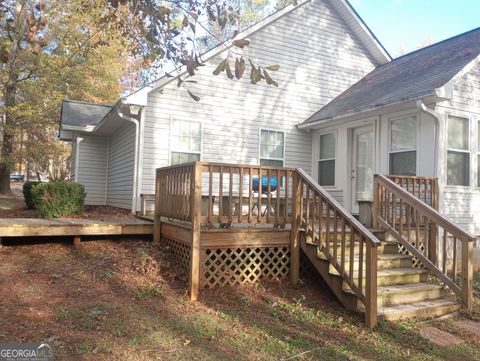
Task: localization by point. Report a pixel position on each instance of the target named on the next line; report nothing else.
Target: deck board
(31, 227)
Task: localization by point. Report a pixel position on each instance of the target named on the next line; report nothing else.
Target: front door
(362, 166)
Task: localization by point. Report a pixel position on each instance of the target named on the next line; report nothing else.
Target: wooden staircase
(393, 271)
(403, 291)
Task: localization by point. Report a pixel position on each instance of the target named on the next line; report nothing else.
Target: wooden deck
(76, 227)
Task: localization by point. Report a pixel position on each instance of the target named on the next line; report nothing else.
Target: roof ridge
(86, 103)
(433, 45)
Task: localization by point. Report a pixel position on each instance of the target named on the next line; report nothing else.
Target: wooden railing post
(376, 202)
(195, 210)
(294, 236)
(156, 218)
(371, 286)
(467, 274)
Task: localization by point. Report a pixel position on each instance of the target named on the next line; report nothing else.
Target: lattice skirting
(415, 261)
(181, 252)
(239, 266)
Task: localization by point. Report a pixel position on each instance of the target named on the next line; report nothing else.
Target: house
(417, 115)
(343, 112)
(322, 47)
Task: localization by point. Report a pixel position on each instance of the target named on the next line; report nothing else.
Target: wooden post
(376, 202)
(195, 209)
(371, 286)
(467, 274)
(77, 240)
(294, 237)
(433, 243)
(157, 234)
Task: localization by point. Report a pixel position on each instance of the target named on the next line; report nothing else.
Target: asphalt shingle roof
(411, 76)
(81, 114)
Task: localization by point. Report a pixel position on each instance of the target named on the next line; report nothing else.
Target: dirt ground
(13, 206)
(126, 300)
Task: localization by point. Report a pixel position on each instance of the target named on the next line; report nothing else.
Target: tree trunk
(7, 142)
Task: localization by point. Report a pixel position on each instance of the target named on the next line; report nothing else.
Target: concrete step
(384, 261)
(422, 309)
(410, 293)
(395, 276)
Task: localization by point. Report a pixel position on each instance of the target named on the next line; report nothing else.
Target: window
(458, 151)
(272, 148)
(186, 140)
(326, 160)
(403, 146)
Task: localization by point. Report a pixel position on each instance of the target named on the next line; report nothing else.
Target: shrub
(27, 193)
(57, 199)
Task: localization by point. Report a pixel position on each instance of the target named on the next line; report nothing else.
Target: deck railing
(212, 194)
(424, 188)
(423, 231)
(343, 240)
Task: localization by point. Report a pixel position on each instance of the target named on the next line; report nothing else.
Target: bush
(27, 193)
(57, 199)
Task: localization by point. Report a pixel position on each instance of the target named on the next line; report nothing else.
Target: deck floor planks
(31, 227)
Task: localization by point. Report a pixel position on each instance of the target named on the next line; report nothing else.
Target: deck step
(384, 248)
(410, 293)
(384, 261)
(394, 276)
(423, 309)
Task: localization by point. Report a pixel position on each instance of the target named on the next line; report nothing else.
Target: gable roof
(82, 114)
(345, 10)
(409, 77)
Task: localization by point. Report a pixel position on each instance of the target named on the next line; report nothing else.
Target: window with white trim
(458, 151)
(326, 160)
(272, 148)
(403, 146)
(186, 141)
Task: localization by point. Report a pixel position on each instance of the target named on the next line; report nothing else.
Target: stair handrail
(383, 187)
(369, 236)
(367, 293)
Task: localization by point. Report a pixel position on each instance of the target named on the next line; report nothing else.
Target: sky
(403, 26)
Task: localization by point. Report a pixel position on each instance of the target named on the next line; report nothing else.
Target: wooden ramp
(76, 227)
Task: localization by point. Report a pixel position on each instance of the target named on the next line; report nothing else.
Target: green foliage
(27, 193)
(57, 199)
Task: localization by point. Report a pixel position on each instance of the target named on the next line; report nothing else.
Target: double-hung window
(458, 151)
(403, 146)
(186, 141)
(272, 148)
(326, 160)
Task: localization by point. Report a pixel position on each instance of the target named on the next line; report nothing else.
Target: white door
(362, 166)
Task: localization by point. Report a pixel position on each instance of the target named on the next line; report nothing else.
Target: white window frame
(390, 151)
(335, 134)
(469, 151)
(173, 149)
(260, 145)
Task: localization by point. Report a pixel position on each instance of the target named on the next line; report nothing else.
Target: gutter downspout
(421, 106)
(136, 162)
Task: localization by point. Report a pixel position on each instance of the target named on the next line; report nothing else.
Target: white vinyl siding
(186, 141)
(73, 159)
(121, 162)
(92, 167)
(458, 153)
(272, 148)
(403, 146)
(326, 160)
(316, 64)
(478, 154)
